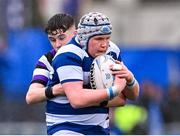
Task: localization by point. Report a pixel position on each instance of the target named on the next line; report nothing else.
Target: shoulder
(70, 50)
(68, 55)
(45, 61)
(43, 70)
(50, 55)
(47, 58)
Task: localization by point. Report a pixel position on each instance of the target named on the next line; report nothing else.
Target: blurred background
(148, 33)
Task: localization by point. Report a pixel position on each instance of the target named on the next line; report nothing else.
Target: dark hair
(59, 21)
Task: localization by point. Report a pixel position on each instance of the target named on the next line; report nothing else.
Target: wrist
(112, 92)
(131, 84)
(49, 92)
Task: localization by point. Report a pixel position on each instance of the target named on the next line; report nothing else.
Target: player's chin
(99, 53)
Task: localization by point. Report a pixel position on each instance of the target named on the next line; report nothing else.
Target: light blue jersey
(72, 63)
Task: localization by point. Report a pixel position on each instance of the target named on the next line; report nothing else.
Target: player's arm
(35, 94)
(131, 90)
(117, 101)
(38, 93)
(79, 97)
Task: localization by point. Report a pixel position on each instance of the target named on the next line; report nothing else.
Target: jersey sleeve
(68, 64)
(41, 73)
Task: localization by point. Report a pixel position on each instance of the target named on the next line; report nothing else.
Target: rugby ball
(100, 73)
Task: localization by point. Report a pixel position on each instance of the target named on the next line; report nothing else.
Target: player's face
(60, 39)
(98, 45)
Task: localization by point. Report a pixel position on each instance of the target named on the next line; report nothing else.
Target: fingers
(124, 73)
(119, 70)
(117, 67)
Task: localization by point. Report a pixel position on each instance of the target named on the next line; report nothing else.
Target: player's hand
(58, 90)
(124, 72)
(120, 83)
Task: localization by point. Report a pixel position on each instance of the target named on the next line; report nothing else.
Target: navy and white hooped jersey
(71, 63)
(43, 70)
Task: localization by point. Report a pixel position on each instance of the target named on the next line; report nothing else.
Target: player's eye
(52, 39)
(61, 37)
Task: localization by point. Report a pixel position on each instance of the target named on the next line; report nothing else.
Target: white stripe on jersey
(60, 99)
(76, 72)
(73, 49)
(40, 71)
(86, 119)
(44, 60)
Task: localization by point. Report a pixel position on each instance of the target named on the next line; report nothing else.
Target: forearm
(35, 95)
(119, 100)
(79, 97)
(39, 93)
(89, 97)
(132, 92)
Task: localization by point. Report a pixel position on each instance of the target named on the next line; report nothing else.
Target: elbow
(78, 100)
(77, 105)
(29, 100)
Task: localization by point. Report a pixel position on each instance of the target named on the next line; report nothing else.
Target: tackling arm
(36, 93)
